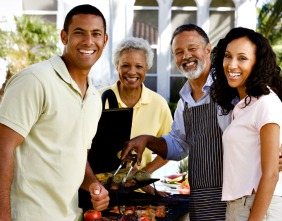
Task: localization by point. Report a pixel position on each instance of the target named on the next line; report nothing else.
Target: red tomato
(91, 215)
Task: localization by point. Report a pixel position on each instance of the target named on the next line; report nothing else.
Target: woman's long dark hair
(265, 72)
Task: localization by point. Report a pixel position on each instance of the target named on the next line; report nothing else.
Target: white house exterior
(153, 20)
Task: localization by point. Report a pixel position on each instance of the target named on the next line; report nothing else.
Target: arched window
(47, 9)
(182, 12)
(145, 25)
(222, 19)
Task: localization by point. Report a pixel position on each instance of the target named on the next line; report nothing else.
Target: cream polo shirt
(151, 116)
(241, 140)
(45, 106)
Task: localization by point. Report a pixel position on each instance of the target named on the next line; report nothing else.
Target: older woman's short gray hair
(133, 43)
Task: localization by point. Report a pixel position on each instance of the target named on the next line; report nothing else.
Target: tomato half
(91, 215)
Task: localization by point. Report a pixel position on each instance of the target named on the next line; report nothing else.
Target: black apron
(205, 164)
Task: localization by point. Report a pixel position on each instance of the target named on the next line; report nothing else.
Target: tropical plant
(172, 107)
(31, 41)
(270, 25)
(183, 165)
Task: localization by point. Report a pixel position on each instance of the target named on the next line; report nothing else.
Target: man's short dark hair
(83, 9)
(190, 27)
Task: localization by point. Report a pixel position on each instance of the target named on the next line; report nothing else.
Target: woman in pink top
(246, 68)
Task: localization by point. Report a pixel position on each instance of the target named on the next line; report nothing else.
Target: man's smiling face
(190, 53)
(84, 41)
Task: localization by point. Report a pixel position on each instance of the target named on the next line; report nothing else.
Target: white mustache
(184, 62)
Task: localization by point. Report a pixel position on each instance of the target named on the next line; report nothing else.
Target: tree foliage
(270, 25)
(32, 41)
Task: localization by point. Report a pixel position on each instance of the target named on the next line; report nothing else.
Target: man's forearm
(6, 176)
(89, 177)
(158, 145)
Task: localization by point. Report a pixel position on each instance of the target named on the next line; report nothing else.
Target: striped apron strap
(204, 137)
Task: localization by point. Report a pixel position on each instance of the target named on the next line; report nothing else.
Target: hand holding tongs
(130, 157)
(133, 159)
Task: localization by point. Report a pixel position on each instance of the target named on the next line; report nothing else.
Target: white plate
(171, 185)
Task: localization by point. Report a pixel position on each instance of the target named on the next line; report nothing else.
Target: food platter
(174, 181)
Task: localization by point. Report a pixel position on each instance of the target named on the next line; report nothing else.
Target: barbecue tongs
(133, 159)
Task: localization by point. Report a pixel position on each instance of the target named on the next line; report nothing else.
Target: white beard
(193, 74)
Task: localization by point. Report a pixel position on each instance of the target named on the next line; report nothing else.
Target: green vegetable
(80, 218)
(142, 175)
(118, 178)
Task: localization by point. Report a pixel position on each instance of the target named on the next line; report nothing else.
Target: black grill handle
(111, 97)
